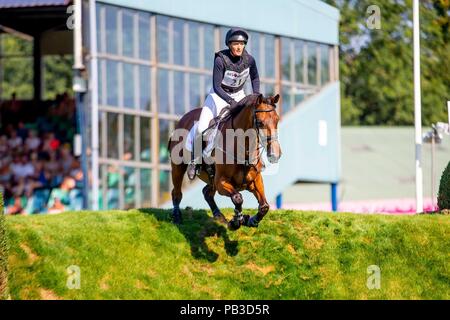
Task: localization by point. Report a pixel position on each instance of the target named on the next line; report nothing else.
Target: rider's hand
(233, 104)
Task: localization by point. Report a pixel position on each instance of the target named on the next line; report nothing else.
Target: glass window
(254, 49)
(145, 139)
(112, 79)
(208, 32)
(312, 64)
(145, 88)
(299, 96)
(223, 33)
(130, 187)
(164, 131)
(286, 59)
(128, 85)
(269, 50)
(144, 36)
(128, 138)
(100, 29)
(178, 41)
(113, 135)
(100, 130)
(101, 94)
(146, 187)
(179, 93)
(325, 63)
(194, 91)
(194, 45)
(164, 186)
(269, 89)
(112, 192)
(286, 99)
(162, 38)
(163, 91)
(111, 29)
(299, 61)
(127, 33)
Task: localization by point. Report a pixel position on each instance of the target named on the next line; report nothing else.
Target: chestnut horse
(256, 113)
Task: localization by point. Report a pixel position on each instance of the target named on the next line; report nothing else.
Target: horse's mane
(249, 101)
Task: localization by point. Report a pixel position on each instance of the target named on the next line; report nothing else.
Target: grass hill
(139, 254)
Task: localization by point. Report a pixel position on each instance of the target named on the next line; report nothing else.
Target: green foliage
(3, 254)
(444, 190)
(376, 66)
(17, 64)
(140, 254)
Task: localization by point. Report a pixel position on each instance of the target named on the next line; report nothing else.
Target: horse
(254, 112)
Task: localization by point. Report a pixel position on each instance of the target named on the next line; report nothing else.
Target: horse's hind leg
(177, 180)
(208, 193)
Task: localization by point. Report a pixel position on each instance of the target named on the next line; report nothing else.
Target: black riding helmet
(236, 34)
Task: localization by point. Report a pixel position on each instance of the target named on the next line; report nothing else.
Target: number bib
(235, 79)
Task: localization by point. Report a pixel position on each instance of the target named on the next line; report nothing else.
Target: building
(146, 63)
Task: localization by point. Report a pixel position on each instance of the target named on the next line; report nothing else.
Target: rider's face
(237, 48)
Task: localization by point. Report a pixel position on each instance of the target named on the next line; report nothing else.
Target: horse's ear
(276, 99)
(259, 99)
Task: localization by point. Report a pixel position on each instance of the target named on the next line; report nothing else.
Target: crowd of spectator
(38, 172)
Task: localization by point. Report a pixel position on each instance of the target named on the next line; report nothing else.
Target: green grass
(139, 254)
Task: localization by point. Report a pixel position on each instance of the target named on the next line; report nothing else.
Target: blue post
(334, 197)
(279, 201)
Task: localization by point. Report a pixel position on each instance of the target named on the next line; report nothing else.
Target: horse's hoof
(233, 225)
(252, 222)
(176, 216)
(219, 217)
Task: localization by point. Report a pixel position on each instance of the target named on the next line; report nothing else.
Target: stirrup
(192, 170)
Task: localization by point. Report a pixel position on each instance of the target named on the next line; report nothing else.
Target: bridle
(262, 139)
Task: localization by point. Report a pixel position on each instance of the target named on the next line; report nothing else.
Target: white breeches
(213, 106)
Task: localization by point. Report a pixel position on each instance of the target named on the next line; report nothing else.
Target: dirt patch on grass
(47, 294)
(264, 270)
(313, 243)
(32, 257)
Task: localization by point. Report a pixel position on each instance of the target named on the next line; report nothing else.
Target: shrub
(444, 190)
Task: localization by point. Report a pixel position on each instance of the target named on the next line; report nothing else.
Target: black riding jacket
(230, 73)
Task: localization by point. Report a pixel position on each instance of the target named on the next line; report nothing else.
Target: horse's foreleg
(208, 193)
(177, 180)
(225, 188)
(258, 191)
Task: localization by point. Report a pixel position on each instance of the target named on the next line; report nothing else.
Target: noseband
(256, 125)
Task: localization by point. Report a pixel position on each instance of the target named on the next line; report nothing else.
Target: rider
(232, 67)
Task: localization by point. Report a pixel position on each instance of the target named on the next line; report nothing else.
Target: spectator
(33, 141)
(16, 208)
(50, 143)
(22, 132)
(4, 146)
(66, 159)
(59, 198)
(15, 141)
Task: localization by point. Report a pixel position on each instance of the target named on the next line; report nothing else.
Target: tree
(377, 64)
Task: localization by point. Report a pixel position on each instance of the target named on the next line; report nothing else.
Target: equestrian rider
(232, 67)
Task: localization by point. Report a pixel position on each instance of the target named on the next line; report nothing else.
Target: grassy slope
(292, 255)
